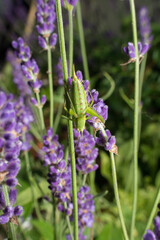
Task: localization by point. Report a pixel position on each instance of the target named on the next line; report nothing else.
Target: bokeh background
(108, 28)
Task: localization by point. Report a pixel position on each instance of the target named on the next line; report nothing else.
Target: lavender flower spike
(46, 17)
(10, 146)
(144, 26)
(85, 151)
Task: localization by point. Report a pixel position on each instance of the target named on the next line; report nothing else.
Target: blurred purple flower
(144, 26)
(46, 17)
(130, 50)
(10, 147)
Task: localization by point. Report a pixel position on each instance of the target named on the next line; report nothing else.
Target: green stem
(154, 209)
(59, 113)
(50, 85)
(69, 223)
(35, 133)
(70, 12)
(136, 118)
(74, 180)
(82, 41)
(115, 185)
(54, 219)
(84, 179)
(141, 79)
(40, 112)
(11, 231)
(70, 123)
(62, 40)
(32, 182)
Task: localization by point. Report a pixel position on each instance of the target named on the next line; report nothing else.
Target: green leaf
(44, 228)
(105, 166)
(26, 196)
(110, 232)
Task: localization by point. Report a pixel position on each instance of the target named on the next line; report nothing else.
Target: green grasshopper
(78, 104)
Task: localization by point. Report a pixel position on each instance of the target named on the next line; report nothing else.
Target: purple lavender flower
(46, 17)
(59, 176)
(86, 153)
(18, 77)
(130, 50)
(86, 209)
(100, 140)
(22, 50)
(29, 66)
(155, 235)
(10, 147)
(144, 26)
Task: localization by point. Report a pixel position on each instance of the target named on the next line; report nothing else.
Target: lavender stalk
(70, 12)
(115, 185)
(70, 124)
(82, 41)
(136, 113)
(10, 226)
(50, 86)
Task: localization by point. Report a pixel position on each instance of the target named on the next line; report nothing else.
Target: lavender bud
(42, 42)
(43, 99)
(34, 101)
(18, 210)
(53, 40)
(4, 219)
(12, 196)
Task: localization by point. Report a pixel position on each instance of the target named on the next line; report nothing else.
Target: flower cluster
(130, 51)
(86, 209)
(29, 68)
(156, 234)
(10, 146)
(46, 17)
(18, 77)
(59, 176)
(100, 140)
(24, 118)
(144, 26)
(85, 151)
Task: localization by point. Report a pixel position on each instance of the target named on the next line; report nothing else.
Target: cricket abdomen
(78, 97)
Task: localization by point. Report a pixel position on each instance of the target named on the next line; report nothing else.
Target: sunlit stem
(70, 14)
(40, 112)
(70, 123)
(50, 77)
(141, 80)
(136, 118)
